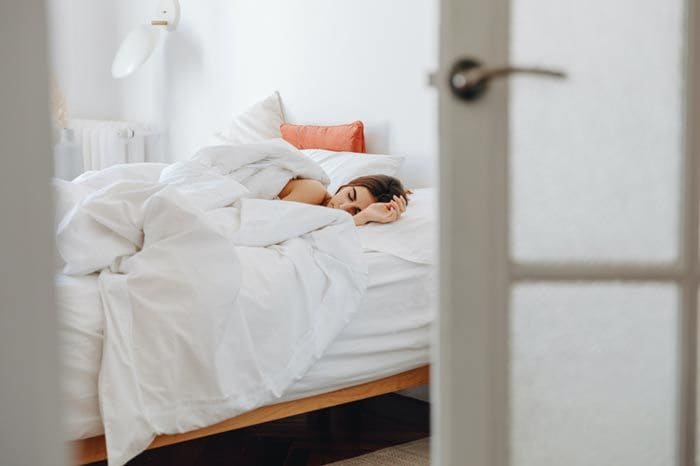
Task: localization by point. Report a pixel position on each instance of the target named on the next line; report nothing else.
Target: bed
(384, 348)
(190, 303)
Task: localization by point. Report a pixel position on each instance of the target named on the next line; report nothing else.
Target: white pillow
(413, 237)
(257, 123)
(342, 167)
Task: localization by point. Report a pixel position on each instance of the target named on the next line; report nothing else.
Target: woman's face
(351, 199)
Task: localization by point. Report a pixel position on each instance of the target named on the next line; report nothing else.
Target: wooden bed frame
(93, 449)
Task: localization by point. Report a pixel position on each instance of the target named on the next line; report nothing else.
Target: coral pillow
(341, 138)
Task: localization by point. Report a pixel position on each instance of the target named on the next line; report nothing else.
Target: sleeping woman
(375, 198)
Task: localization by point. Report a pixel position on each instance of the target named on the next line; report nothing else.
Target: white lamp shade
(135, 50)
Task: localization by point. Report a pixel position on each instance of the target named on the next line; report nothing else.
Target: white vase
(67, 156)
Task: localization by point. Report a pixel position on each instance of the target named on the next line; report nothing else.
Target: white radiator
(109, 142)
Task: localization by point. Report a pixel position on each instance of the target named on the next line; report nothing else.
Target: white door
(569, 269)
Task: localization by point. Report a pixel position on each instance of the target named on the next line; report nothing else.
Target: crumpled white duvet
(192, 338)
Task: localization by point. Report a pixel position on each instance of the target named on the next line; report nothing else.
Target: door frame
(30, 397)
(470, 371)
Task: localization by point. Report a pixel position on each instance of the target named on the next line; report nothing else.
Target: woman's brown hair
(382, 187)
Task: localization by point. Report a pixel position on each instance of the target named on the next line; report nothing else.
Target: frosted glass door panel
(595, 159)
(594, 375)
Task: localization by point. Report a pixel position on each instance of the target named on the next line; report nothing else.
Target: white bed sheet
(389, 334)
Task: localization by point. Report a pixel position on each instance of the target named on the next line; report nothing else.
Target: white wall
(332, 61)
(82, 42)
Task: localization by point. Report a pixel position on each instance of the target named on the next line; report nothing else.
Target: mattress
(390, 333)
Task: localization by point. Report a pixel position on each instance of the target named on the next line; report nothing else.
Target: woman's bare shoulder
(303, 190)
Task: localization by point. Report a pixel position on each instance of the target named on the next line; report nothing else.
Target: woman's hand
(381, 212)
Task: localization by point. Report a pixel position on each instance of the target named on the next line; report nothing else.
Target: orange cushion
(341, 138)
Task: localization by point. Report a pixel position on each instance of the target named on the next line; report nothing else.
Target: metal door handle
(469, 79)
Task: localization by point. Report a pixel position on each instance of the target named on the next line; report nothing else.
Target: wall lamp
(140, 43)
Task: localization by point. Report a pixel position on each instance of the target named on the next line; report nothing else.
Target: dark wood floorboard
(312, 439)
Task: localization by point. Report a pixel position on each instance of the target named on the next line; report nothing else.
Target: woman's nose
(346, 206)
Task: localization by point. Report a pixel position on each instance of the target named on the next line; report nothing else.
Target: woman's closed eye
(352, 196)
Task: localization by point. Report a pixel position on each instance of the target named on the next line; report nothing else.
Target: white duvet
(190, 336)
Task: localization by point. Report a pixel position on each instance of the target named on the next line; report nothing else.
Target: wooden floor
(309, 439)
